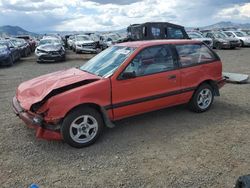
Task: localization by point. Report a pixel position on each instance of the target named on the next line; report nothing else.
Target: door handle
(170, 77)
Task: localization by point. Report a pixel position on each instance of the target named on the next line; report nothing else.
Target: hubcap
(204, 98)
(83, 129)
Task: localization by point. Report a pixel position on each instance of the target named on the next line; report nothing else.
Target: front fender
(58, 106)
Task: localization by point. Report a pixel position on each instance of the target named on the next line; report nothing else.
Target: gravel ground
(168, 148)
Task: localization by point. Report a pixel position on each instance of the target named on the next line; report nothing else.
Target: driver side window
(152, 60)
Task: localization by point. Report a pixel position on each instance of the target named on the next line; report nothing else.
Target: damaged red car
(122, 81)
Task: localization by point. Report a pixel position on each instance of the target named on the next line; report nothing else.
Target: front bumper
(235, 44)
(36, 122)
(246, 43)
(86, 49)
(225, 45)
(50, 57)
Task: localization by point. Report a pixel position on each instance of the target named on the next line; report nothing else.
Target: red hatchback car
(124, 80)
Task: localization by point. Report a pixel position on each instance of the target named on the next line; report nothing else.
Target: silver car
(200, 37)
(83, 43)
(244, 39)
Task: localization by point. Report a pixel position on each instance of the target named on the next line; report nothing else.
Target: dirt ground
(168, 148)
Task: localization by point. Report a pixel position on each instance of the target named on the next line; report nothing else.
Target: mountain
(15, 30)
(226, 25)
(8, 30)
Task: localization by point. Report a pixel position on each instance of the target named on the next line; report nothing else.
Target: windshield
(239, 34)
(220, 35)
(94, 37)
(4, 43)
(195, 35)
(82, 37)
(17, 42)
(49, 41)
(107, 62)
(3, 47)
(112, 37)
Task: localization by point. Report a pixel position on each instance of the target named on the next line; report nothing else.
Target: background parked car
(50, 50)
(8, 53)
(107, 40)
(83, 43)
(244, 38)
(222, 41)
(200, 37)
(156, 30)
(15, 53)
(70, 41)
(30, 41)
(247, 31)
(23, 46)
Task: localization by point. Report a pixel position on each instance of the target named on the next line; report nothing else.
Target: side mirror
(127, 75)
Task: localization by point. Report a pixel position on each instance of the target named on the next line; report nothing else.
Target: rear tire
(82, 127)
(202, 99)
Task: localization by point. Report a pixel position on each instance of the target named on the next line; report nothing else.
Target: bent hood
(50, 47)
(85, 42)
(43, 87)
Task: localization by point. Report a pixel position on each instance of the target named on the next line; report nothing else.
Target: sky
(105, 15)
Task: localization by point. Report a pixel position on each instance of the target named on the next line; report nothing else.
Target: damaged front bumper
(43, 130)
(86, 49)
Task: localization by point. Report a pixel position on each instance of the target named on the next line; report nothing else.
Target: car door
(155, 83)
(195, 61)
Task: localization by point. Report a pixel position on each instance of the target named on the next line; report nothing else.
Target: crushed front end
(43, 129)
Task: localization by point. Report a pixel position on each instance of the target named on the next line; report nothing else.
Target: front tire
(218, 46)
(82, 127)
(11, 61)
(242, 43)
(202, 99)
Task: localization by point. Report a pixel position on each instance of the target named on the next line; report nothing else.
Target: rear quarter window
(175, 33)
(194, 54)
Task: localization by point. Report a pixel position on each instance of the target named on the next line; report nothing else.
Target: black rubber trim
(145, 99)
(57, 91)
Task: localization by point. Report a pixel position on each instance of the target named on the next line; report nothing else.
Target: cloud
(120, 2)
(237, 12)
(90, 15)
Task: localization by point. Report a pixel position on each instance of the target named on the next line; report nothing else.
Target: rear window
(175, 33)
(193, 54)
(156, 32)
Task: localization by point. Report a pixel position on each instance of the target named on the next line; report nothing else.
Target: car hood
(84, 42)
(50, 47)
(224, 39)
(244, 38)
(203, 39)
(3, 50)
(37, 89)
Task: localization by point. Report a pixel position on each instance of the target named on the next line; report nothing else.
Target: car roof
(83, 35)
(147, 43)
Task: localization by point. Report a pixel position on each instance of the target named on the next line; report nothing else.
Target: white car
(83, 43)
(108, 40)
(70, 41)
(199, 37)
(244, 39)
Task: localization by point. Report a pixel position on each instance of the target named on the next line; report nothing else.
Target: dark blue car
(8, 53)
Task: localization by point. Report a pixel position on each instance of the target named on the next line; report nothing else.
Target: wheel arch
(213, 84)
(98, 108)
